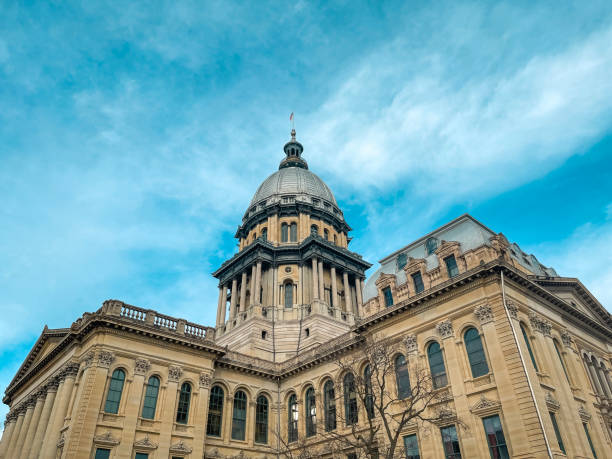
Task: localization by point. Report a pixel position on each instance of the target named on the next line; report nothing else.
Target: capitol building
(521, 354)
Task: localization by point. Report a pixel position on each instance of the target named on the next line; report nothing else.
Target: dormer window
(431, 245)
(402, 260)
(417, 279)
(388, 295)
(451, 266)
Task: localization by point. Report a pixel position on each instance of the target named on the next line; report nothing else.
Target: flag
(291, 117)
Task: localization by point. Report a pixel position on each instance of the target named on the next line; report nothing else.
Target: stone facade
(130, 380)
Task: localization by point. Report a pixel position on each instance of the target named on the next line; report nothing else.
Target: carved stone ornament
(105, 358)
(485, 406)
(213, 454)
(175, 373)
(205, 379)
(540, 324)
(512, 309)
(584, 414)
(484, 313)
(141, 366)
(88, 359)
(410, 341)
(566, 338)
(106, 439)
(445, 329)
(552, 403)
(145, 443)
(60, 442)
(180, 448)
(546, 327)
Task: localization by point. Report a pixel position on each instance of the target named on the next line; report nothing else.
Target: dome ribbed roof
(293, 181)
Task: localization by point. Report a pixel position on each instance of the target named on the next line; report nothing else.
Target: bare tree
(380, 393)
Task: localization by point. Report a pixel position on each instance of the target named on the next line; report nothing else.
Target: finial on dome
(293, 135)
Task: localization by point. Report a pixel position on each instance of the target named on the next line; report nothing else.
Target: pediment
(485, 406)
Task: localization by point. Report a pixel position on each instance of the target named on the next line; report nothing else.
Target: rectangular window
(495, 438)
(588, 435)
(141, 456)
(388, 296)
(557, 432)
(451, 266)
(102, 453)
(450, 441)
(418, 282)
(411, 446)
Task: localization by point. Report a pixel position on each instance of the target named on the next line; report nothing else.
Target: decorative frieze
(105, 358)
(566, 337)
(512, 309)
(484, 313)
(141, 366)
(445, 329)
(174, 373)
(410, 342)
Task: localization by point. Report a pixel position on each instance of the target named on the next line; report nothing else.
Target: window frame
(416, 442)
(293, 235)
(262, 414)
(288, 295)
(553, 419)
(369, 398)
(239, 415)
(387, 296)
(215, 413)
(437, 378)
(499, 445)
(418, 286)
(184, 404)
(528, 344)
(148, 397)
(329, 405)
(453, 454)
(293, 418)
(402, 381)
(351, 410)
(562, 360)
(472, 354)
(310, 409)
(452, 271)
(112, 389)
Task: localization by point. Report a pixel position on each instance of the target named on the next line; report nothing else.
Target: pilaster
(44, 420)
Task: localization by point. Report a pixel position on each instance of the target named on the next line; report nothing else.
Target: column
(258, 284)
(300, 286)
(40, 401)
(607, 378)
(275, 299)
(20, 445)
(252, 301)
(358, 293)
(334, 288)
(44, 420)
(9, 426)
(321, 282)
(598, 390)
(250, 423)
(233, 298)
(347, 292)
(221, 306)
(603, 382)
(168, 411)
(199, 435)
(315, 279)
(132, 407)
(12, 448)
(49, 449)
(243, 289)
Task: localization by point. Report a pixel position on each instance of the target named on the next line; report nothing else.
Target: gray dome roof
(293, 181)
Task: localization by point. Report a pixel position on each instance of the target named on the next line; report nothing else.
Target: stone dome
(294, 181)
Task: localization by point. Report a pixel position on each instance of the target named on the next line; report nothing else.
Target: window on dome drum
(314, 230)
(475, 352)
(436, 365)
(417, 279)
(431, 245)
(411, 446)
(261, 420)
(293, 416)
(350, 400)
(388, 295)
(141, 456)
(150, 399)
(288, 295)
(239, 417)
(115, 388)
(329, 403)
(335, 240)
(450, 441)
(588, 435)
(528, 343)
(311, 413)
(182, 411)
(326, 234)
(402, 260)
(369, 398)
(495, 437)
(293, 232)
(284, 232)
(264, 234)
(451, 266)
(215, 412)
(553, 418)
(402, 378)
(102, 453)
(556, 344)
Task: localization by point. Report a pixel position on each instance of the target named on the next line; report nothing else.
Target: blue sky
(133, 137)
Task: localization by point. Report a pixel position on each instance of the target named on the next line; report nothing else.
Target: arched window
(182, 412)
(436, 365)
(314, 230)
(239, 417)
(284, 232)
(475, 352)
(115, 388)
(215, 412)
(556, 343)
(350, 400)
(311, 413)
(369, 398)
(326, 234)
(526, 338)
(150, 398)
(402, 378)
(261, 420)
(288, 295)
(431, 245)
(293, 232)
(293, 415)
(335, 240)
(329, 401)
(264, 234)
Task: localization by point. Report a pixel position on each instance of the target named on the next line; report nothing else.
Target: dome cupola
(293, 150)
